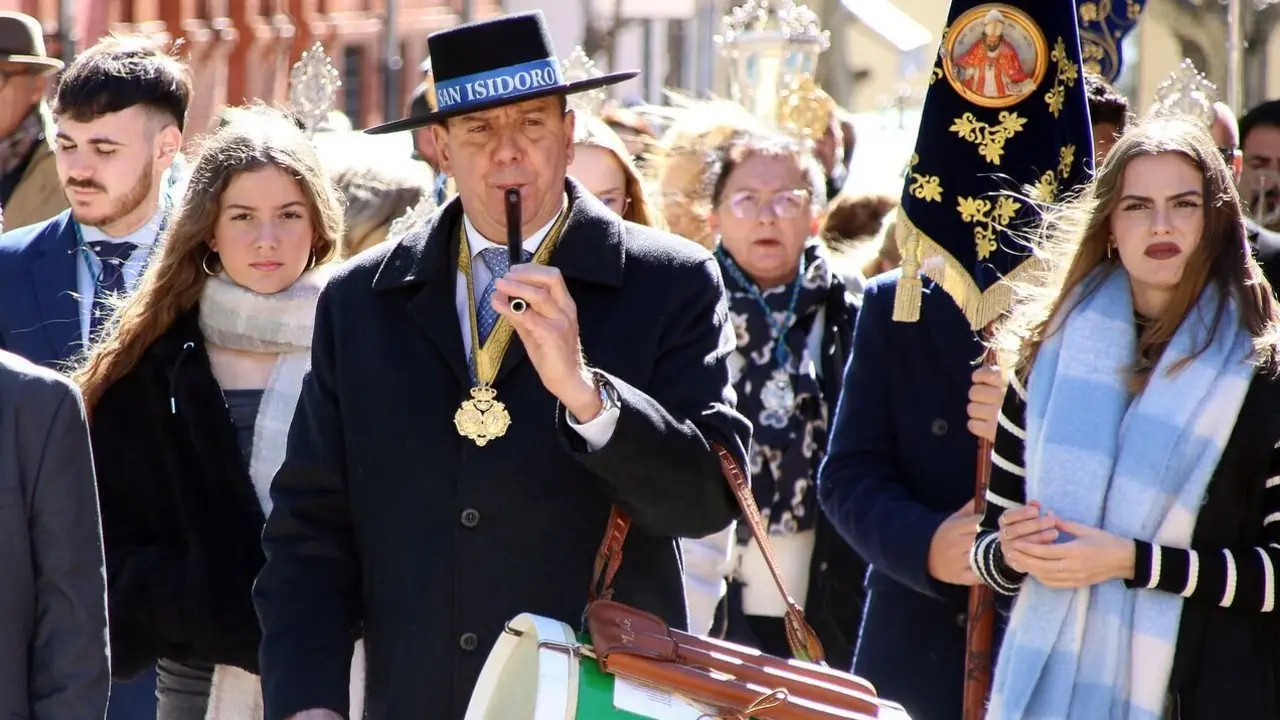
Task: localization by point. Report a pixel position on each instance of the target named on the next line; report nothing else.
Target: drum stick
(515, 242)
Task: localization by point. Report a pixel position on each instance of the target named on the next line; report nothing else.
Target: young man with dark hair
(119, 108)
(1108, 113)
(1260, 145)
(1260, 136)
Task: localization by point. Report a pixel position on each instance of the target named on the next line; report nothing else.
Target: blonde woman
(682, 159)
(191, 394)
(601, 163)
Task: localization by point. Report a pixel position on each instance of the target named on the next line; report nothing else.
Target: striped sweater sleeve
(1006, 489)
(1243, 578)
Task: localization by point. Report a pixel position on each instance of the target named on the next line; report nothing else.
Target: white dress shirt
(89, 267)
(597, 431)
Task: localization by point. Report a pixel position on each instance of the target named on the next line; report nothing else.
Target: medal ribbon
(777, 326)
(488, 358)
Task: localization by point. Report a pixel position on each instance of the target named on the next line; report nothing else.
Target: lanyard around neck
(486, 359)
(777, 327)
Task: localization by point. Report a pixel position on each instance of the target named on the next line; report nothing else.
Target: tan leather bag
(738, 682)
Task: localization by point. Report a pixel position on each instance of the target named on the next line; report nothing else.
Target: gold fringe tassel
(920, 253)
(906, 302)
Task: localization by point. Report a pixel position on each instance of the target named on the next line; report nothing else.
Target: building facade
(242, 50)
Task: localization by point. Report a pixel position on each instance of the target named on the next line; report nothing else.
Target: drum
(541, 670)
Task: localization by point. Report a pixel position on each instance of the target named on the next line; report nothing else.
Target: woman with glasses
(601, 163)
(794, 318)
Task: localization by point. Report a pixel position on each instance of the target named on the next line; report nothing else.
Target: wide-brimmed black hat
(490, 63)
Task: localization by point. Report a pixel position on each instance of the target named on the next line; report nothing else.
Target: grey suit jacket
(53, 600)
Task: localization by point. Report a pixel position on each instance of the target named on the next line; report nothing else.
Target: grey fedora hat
(22, 41)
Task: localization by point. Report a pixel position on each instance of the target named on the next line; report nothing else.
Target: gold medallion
(483, 417)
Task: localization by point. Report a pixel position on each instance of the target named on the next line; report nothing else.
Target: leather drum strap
(609, 556)
(800, 636)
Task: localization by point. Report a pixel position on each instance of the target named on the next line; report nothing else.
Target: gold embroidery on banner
(925, 187)
(990, 140)
(1046, 188)
(1068, 73)
(1066, 156)
(989, 220)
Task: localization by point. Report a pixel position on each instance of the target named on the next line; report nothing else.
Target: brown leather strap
(609, 556)
(803, 640)
(800, 636)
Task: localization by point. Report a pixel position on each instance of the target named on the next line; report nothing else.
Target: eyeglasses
(747, 204)
(619, 203)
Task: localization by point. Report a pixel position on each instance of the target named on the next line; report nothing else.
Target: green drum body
(541, 670)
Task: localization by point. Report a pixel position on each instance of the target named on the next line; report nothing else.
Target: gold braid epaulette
(921, 253)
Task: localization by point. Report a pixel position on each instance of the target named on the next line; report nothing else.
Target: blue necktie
(495, 258)
(112, 256)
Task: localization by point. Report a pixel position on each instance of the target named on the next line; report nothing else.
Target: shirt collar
(143, 236)
(479, 242)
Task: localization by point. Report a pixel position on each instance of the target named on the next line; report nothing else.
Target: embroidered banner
(1005, 128)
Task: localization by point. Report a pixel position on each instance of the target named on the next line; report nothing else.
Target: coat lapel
(589, 254)
(53, 278)
(427, 257)
(950, 331)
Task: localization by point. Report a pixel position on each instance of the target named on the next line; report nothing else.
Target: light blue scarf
(1135, 467)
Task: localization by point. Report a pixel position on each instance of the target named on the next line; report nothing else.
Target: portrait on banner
(995, 55)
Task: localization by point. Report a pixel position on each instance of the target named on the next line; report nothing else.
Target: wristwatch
(608, 396)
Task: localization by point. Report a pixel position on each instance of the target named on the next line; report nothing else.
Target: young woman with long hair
(1133, 507)
(191, 393)
(601, 162)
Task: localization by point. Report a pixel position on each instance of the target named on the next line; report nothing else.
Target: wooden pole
(980, 630)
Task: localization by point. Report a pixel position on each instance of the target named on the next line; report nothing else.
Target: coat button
(939, 427)
(470, 517)
(468, 641)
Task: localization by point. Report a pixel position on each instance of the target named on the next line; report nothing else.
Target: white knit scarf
(236, 318)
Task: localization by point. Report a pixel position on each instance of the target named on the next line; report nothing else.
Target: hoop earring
(311, 264)
(204, 264)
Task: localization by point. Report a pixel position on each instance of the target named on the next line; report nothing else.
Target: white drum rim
(556, 667)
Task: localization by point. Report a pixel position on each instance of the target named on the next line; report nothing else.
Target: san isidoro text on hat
(504, 82)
